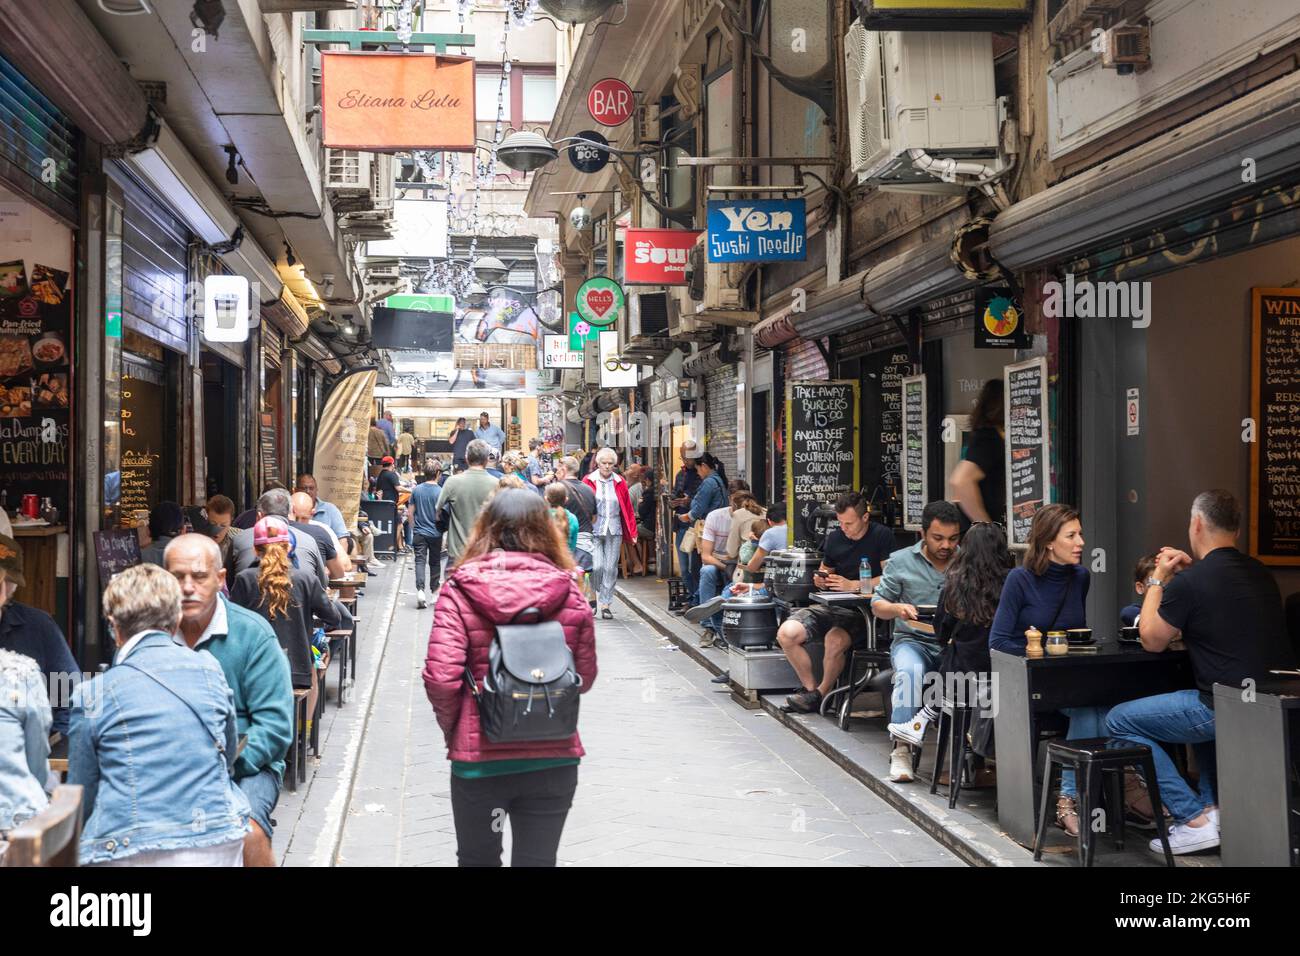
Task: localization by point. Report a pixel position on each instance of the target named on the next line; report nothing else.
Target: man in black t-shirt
(1227, 609)
(459, 438)
(846, 547)
(389, 485)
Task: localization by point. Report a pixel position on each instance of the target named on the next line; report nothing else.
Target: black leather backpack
(531, 688)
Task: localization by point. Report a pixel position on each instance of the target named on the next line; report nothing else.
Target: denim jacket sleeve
(707, 498)
(37, 720)
(83, 761)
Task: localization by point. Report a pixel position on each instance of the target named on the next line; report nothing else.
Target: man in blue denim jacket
(153, 740)
(258, 674)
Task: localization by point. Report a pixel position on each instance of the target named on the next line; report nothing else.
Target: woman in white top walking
(615, 519)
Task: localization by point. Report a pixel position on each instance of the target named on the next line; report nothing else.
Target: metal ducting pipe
(775, 331)
(702, 363)
(1165, 180)
(59, 49)
(605, 401)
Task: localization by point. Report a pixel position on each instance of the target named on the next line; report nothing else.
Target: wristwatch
(1154, 583)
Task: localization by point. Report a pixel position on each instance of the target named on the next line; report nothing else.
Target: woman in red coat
(613, 523)
(514, 560)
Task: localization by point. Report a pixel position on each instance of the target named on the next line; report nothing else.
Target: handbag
(531, 688)
(691, 539)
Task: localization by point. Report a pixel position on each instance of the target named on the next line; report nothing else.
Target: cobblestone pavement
(675, 774)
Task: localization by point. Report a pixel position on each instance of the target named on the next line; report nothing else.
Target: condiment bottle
(1033, 642)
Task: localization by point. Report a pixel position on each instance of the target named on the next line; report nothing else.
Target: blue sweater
(1031, 599)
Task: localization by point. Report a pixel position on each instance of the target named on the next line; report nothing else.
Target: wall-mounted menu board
(882, 383)
(914, 461)
(1275, 406)
(821, 461)
(35, 382)
(1027, 446)
(142, 445)
(115, 551)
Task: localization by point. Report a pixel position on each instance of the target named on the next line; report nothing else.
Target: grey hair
(1219, 509)
(274, 502)
(143, 598)
(570, 465)
(603, 451)
(478, 452)
(210, 547)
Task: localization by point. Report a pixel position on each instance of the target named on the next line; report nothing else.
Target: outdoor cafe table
(1026, 690)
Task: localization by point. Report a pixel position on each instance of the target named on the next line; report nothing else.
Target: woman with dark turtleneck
(1048, 592)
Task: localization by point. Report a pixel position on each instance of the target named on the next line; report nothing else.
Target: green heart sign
(600, 301)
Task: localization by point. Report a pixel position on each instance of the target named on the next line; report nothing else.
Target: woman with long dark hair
(967, 603)
(515, 561)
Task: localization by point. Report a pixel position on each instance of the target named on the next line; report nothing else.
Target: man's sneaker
(900, 764)
(723, 678)
(804, 702)
(706, 610)
(419, 600)
(912, 731)
(708, 639)
(1187, 839)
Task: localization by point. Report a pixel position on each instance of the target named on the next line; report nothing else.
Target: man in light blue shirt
(326, 513)
(490, 433)
(388, 428)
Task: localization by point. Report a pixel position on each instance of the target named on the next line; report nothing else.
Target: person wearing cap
(304, 553)
(389, 484)
(31, 632)
(289, 599)
(494, 464)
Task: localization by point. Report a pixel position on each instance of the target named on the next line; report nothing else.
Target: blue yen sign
(757, 230)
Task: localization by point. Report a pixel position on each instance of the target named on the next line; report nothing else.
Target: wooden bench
(50, 838)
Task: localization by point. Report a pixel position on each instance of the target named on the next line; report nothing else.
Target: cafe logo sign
(657, 256)
(757, 230)
(389, 101)
(557, 354)
(600, 301)
(1000, 320)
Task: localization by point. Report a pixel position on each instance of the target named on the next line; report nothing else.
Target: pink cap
(271, 530)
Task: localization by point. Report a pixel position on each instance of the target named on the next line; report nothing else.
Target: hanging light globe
(577, 11)
(490, 269)
(525, 151)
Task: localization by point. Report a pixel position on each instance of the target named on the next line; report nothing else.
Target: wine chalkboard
(116, 551)
(1027, 462)
(821, 421)
(915, 459)
(1275, 407)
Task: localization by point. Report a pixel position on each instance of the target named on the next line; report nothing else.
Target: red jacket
(624, 503)
(479, 595)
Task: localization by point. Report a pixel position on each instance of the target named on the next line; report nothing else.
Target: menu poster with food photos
(35, 382)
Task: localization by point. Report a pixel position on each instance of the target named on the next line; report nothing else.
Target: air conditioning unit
(714, 288)
(383, 173)
(347, 172)
(682, 323)
(919, 103)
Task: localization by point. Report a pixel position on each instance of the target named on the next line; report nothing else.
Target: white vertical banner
(339, 458)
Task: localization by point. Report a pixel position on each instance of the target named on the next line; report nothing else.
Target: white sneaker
(900, 764)
(419, 600)
(912, 731)
(1186, 839)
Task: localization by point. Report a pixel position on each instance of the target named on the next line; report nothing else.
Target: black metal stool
(1092, 760)
(954, 728)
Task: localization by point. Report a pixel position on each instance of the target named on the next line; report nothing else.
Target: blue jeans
(911, 660)
(710, 587)
(690, 569)
(1085, 723)
(1177, 718)
(263, 792)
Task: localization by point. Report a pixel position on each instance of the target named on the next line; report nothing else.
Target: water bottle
(864, 576)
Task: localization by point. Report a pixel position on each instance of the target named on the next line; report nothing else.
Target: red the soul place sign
(610, 102)
(600, 300)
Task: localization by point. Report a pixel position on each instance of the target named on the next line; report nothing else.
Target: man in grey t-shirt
(305, 553)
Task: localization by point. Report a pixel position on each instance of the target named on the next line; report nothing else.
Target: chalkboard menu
(1027, 449)
(882, 384)
(116, 551)
(915, 460)
(1275, 406)
(821, 421)
(270, 449)
(142, 444)
(35, 382)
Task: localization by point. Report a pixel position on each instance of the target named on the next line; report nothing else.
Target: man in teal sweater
(256, 670)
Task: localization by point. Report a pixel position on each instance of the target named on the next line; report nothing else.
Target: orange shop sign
(388, 101)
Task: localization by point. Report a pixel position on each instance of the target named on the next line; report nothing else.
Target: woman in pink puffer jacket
(514, 560)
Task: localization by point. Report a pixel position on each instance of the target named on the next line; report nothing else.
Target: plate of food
(49, 350)
(17, 402)
(52, 390)
(15, 355)
(48, 284)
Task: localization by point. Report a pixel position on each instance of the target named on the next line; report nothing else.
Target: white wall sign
(556, 354)
(225, 309)
(1131, 412)
(419, 230)
(613, 372)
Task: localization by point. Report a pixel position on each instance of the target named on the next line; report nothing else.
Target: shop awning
(58, 48)
(1195, 167)
(291, 318)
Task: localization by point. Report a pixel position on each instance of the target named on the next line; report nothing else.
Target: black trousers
(428, 549)
(536, 803)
